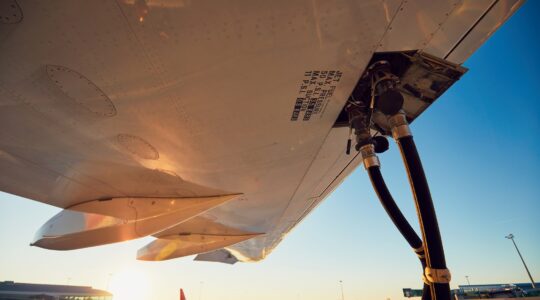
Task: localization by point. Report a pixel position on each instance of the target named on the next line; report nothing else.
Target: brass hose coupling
(420, 252)
(437, 275)
(369, 156)
(399, 125)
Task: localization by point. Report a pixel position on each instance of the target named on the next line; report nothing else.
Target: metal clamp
(399, 125)
(420, 252)
(401, 131)
(437, 275)
(371, 161)
(369, 156)
(398, 119)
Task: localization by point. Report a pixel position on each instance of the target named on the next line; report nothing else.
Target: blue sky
(480, 145)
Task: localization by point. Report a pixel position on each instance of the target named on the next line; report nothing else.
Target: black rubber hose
(426, 292)
(397, 217)
(426, 213)
(392, 209)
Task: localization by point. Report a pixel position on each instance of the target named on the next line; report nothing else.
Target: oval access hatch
(81, 90)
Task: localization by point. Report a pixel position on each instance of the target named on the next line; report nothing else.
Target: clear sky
(480, 145)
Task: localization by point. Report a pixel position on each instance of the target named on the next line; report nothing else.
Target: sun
(129, 284)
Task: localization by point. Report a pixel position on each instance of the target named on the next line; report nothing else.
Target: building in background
(487, 291)
(10, 290)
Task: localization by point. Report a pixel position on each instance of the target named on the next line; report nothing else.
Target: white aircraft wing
(208, 124)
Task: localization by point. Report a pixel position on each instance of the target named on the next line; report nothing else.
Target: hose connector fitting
(399, 125)
(369, 156)
(437, 275)
(420, 252)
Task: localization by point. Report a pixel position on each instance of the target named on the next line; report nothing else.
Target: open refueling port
(422, 79)
(395, 89)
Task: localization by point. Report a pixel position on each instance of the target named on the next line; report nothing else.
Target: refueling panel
(420, 78)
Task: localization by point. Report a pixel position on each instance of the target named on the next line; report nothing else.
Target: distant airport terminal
(10, 290)
(487, 291)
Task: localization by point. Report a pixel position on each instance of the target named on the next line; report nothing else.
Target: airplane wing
(213, 126)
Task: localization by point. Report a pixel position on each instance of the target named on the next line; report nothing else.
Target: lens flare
(130, 284)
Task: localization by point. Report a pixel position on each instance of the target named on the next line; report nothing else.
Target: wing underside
(229, 104)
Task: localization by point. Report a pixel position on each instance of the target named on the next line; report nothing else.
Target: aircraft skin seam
(52, 171)
(143, 48)
(151, 197)
(516, 5)
(141, 44)
(324, 193)
(464, 36)
(394, 16)
(440, 25)
(211, 234)
(25, 102)
(274, 227)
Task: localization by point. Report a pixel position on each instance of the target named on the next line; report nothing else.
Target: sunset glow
(130, 284)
